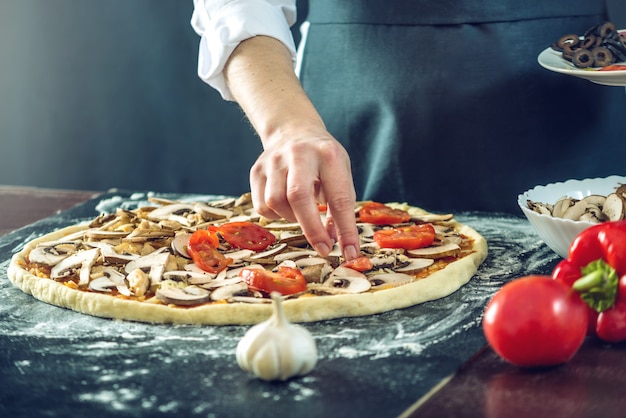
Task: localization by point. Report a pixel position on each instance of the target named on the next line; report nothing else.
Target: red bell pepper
(596, 268)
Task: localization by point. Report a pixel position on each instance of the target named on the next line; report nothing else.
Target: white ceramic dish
(552, 60)
(558, 233)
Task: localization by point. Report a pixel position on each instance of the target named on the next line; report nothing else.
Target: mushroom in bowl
(560, 211)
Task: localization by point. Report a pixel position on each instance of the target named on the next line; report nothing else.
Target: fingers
(289, 182)
(341, 199)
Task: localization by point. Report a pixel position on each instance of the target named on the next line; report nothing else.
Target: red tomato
(246, 235)
(380, 214)
(535, 321)
(408, 237)
(361, 263)
(202, 248)
(286, 281)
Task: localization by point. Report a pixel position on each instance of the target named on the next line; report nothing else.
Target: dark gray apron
(442, 103)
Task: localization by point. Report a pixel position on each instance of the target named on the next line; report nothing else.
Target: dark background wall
(102, 94)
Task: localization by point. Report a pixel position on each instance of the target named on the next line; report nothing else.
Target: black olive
(619, 54)
(583, 58)
(570, 40)
(589, 42)
(606, 28)
(602, 57)
(568, 52)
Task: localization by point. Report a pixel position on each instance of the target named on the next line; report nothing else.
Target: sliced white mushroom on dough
(415, 265)
(212, 212)
(180, 243)
(110, 279)
(185, 296)
(155, 262)
(345, 280)
(229, 291)
(387, 280)
(439, 251)
(270, 253)
(52, 253)
(82, 260)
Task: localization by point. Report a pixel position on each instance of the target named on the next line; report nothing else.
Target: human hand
(295, 173)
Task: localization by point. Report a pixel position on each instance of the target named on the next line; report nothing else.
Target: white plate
(552, 60)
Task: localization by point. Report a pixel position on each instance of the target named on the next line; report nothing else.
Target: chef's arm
(302, 164)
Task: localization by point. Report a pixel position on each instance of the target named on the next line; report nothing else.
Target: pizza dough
(305, 308)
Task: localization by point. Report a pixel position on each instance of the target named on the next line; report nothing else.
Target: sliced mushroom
(278, 225)
(293, 255)
(179, 244)
(592, 214)
(383, 260)
(414, 265)
(186, 296)
(293, 238)
(366, 231)
(561, 205)
(575, 211)
(432, 217)
(238, 256)
(118, 279)
(171, 211)
(142, 235)
(52, 253)
(269, 253)
(310, 261)
(316, 273)
(595, 199)
(155, 262)
(439, 251)
(98, 234)
(614, 207)
(229, 291)
(541, 208)
(387, 280)
(102, 284)
(111, 256)
(212, 212)
(230, 272)
(345, 280)
(227, 202)
(82, 260)
(190, 277)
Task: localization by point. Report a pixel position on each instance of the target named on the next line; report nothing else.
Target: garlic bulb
(276, 349)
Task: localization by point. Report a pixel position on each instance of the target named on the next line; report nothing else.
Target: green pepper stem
(598, 285)
(589, 281)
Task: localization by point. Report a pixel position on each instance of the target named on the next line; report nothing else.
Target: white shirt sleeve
(223, 24)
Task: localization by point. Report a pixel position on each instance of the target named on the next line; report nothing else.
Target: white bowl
(559, 233)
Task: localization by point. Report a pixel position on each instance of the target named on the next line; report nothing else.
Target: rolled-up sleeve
(223, 24)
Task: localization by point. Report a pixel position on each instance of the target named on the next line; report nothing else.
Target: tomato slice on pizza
(410, 237)
(203, 250)
(286, 281)
(246, 235)
(380, 214)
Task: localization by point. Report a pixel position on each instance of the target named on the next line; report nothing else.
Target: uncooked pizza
(217, 262)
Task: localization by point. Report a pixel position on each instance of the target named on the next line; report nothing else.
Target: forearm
(262, 80)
